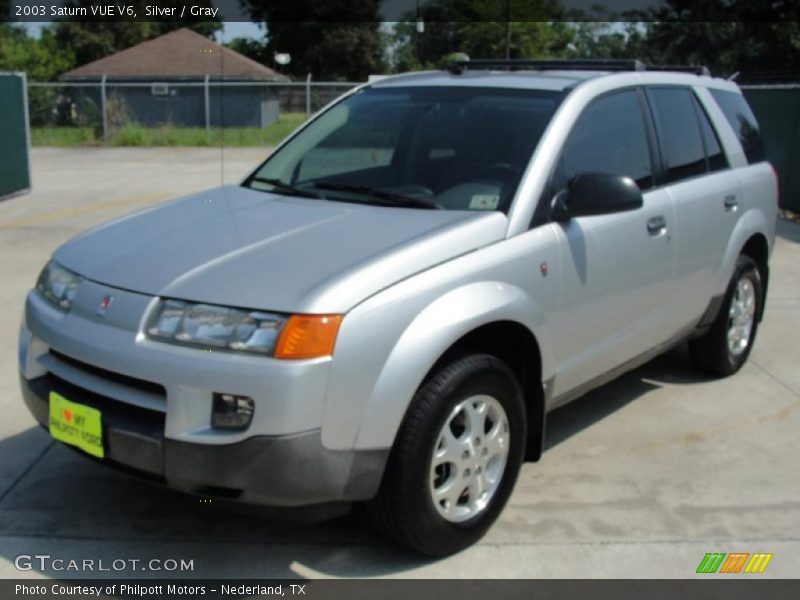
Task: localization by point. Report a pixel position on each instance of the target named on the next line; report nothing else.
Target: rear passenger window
(609, 137)
(716, 157)
(679, 131)
(744, 123)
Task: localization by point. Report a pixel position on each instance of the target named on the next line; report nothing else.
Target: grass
(62, 136)
(169, 135)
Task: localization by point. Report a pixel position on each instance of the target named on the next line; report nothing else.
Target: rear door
(616, 269)
(706, 195)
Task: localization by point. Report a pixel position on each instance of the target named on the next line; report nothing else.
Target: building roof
(180, 54)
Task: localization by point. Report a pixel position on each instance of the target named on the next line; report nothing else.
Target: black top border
(393, 11)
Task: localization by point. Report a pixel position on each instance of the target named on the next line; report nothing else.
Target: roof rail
(583, 64)
(697, 70)
(459, 67)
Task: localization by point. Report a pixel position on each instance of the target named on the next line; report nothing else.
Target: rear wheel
(456, 457)
(725, 347)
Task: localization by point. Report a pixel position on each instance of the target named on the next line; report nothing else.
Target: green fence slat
(778, 112)
(14, 173)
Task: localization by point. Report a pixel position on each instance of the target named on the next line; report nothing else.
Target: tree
(89, 41)
(606, 39)
(730, 36)
(481, 30)
(254, 49)
(336, 39)
(41, 59)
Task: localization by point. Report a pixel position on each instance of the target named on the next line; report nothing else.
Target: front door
(616, 269)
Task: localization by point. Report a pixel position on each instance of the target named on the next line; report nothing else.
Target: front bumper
(286, 471)
(156, 404)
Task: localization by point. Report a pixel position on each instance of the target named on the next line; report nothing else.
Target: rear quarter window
(743, 122)
(716, 157)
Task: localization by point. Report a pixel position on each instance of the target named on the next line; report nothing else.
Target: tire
(712, 352)
(404, 508)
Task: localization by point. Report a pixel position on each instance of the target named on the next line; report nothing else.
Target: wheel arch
(757, 248)
(749, 236)
(516, 345)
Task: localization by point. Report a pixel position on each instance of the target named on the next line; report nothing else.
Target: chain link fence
(109, 111)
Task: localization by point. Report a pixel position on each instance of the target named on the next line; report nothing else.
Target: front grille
(131, 382)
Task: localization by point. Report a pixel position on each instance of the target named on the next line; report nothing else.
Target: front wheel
(724, 348)
(456, 457)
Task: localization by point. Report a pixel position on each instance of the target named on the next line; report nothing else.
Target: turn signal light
(308, 336)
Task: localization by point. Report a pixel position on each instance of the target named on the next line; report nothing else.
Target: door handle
(730, 202)
(656, 225)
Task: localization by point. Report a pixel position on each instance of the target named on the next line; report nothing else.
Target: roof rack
(697, 70)
(584, 64)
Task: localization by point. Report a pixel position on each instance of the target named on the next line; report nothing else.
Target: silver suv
(387, 308)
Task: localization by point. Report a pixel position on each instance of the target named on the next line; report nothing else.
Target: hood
(245, 248)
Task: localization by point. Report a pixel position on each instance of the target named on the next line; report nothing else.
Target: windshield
(456, 148)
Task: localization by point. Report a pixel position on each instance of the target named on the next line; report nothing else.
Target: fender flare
(432, 333)
(751, 223)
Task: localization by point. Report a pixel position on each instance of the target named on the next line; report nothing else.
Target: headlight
(58, 285)
(221, 328)
(215, 327)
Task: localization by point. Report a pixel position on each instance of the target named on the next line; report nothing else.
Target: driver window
(609, 137)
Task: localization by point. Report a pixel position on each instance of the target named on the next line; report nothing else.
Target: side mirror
(596, 194)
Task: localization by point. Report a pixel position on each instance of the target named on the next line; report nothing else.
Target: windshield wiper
(384, 196)
(287, 188)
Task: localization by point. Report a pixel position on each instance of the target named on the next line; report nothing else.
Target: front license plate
(76, 425)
